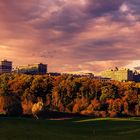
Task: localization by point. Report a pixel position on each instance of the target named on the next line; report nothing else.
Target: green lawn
(73, 129)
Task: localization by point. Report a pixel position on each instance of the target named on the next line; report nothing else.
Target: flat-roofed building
(102, 79)
(33, 69)
(118, 74)
(5, 66)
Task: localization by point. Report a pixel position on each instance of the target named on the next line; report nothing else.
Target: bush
(12, 105)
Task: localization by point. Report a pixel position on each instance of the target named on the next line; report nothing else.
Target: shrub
(12, 105)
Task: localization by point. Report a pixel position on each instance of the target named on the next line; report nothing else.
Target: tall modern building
(118, 74)
(33, 69)
(5, 66)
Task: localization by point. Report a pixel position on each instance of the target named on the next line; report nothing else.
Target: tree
(41, 86)
(109, 92)
(12, 105)
(37, 108)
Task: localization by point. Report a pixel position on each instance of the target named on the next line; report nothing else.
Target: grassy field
(73, 129)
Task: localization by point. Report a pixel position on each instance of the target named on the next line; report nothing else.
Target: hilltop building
(136, 76)
(54, 74)
(102, 79)
(32, 69)
(5, 66)
(118, 74)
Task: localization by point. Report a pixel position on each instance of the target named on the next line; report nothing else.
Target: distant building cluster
(121, 75)
(6, 67)
(32, 69)
(116, 74)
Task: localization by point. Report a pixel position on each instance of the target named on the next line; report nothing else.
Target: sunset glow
(71, 35)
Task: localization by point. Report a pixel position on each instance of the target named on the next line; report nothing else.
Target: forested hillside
(18, 94)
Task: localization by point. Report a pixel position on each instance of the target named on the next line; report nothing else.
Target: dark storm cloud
(101, 7)
(104, 49)
(134, 5)
(73, 18)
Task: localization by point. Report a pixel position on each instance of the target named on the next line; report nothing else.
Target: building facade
(118, 74)
(32, 69)
(5, 66)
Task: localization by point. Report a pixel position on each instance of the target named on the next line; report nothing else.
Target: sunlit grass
(72, 129)
(111, 119)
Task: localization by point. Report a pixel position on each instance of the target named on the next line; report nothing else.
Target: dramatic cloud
(71, 35)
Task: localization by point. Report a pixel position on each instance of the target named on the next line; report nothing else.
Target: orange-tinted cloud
(69, 35)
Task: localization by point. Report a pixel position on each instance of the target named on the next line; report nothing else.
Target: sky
(71, 35)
